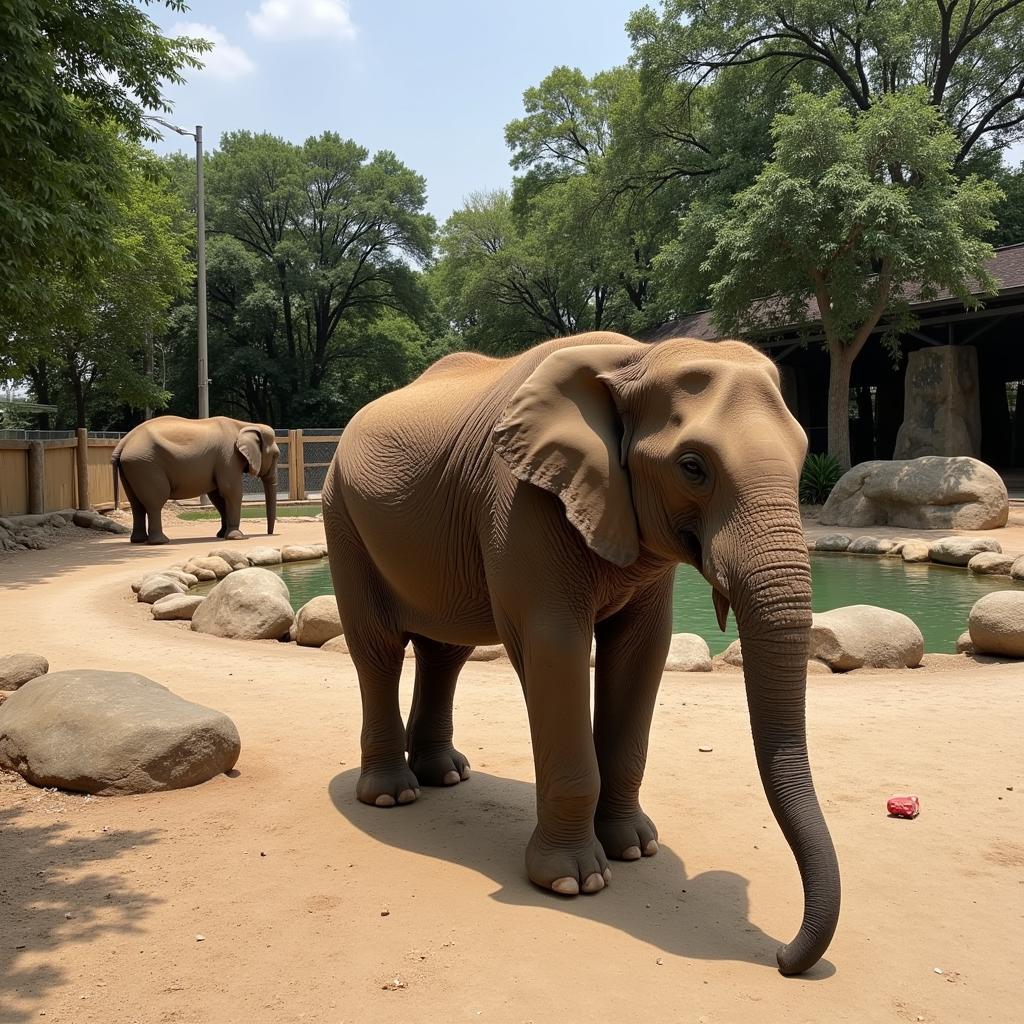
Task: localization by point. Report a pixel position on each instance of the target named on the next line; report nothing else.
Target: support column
(300, 466)
(82, 467)
(36, 477)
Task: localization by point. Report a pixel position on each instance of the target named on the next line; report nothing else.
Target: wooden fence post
(82, 467)
(300, 466)
(36, 477)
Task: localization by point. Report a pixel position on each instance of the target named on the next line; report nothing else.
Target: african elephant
(546, 499)
(172, 457)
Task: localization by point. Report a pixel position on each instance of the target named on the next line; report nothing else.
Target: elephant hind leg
(432, 757)
(139, 534)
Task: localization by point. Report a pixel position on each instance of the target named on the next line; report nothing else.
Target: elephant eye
(693, 468)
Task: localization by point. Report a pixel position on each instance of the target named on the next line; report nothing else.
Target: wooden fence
(74, 472)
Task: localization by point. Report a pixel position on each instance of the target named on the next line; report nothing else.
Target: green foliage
(69, 69)
(820, 474)
(1009, 211)
(966, 56)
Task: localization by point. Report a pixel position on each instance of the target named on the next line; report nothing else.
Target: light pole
(203, 392)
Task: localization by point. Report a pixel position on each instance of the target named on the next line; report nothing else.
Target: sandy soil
(274, 896)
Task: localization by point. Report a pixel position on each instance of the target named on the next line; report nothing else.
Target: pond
(936, 597)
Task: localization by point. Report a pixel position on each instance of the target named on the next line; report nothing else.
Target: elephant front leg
(230, 508)
(632, 647)
(218, 504)
(552, 660)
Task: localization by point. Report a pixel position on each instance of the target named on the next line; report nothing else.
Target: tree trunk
(840, 363)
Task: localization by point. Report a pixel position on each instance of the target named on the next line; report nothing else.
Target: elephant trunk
(270, 494)
(770, 587)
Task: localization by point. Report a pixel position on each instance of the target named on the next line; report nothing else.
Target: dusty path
(311, 905)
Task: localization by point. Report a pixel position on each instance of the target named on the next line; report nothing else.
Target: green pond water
(937, 598)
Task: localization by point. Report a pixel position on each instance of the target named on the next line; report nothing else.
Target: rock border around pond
(244, 611)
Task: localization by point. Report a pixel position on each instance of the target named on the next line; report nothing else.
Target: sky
(435, 81)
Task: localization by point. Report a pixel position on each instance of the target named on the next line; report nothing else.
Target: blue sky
(433, 80)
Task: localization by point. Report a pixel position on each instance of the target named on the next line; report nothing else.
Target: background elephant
(545, 499)
(172, 457)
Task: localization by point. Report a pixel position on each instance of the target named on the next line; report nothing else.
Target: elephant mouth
(693, 554)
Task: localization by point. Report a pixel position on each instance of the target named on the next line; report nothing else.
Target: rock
(177, 606)
(688, 653)
(317, 621)
(930, 493)
(216, 565)
(870, 546)
(996, 624)
(1017, 569)
(232, 556)
(960, 550)
(942, 414)
(990, 563)
(301, 552)
(733, 654)
(915, 551)
(250, 604)
(963, 644)
(203, 575)
(862, 635)
(18, 669)
(94, 521)
(264, 556)
(488, 652)
(112, 733)
(186, 579)
(832, 542)
(156, 586)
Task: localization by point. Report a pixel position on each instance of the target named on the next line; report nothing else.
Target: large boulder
(317, 621)
(832, 542)
(688, 653)
(177, 606)
(214, 564)
(1017, 569)
(862, 635)
(112, 733)
(250, 604)
(930, 493)
(158, 585)
(264, 556)
(996, 624)
(960, 550)
(870, 546)
(915, 550)
(18, 669)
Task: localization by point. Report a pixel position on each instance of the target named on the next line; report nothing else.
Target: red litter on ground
(903, 806)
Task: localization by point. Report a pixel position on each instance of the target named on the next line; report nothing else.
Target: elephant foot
(233, 535)
(382, 787)
(138, 538)
(445, 768)
(565, 867)
(627, 838)
(158, 538)
(221, 533)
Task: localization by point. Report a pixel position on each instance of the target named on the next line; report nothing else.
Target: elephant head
(686, 450)
(257, 445)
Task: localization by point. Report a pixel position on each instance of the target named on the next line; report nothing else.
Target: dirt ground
(272, 895)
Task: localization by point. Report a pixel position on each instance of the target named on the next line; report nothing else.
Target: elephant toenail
(450, 778)
(607, 873)
(566, 886)
(651, 848)
(594, 883)
(406, 796)
(466, 773)
(631, 853)
(385, 800)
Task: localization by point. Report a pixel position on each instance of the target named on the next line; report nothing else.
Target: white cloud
(303, 19)
(225, 61)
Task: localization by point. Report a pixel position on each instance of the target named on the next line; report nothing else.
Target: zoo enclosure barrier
(46, 471)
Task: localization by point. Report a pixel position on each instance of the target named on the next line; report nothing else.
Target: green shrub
(821, 473)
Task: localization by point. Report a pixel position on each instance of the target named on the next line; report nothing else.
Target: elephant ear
(561, 431)
(248, 444)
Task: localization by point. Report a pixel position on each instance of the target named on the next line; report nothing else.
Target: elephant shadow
(485, 825)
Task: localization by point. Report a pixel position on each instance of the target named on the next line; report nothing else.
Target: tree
(859, 214)
(89, 343)
(69, 68)
(967, 56)
(1009, 213)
